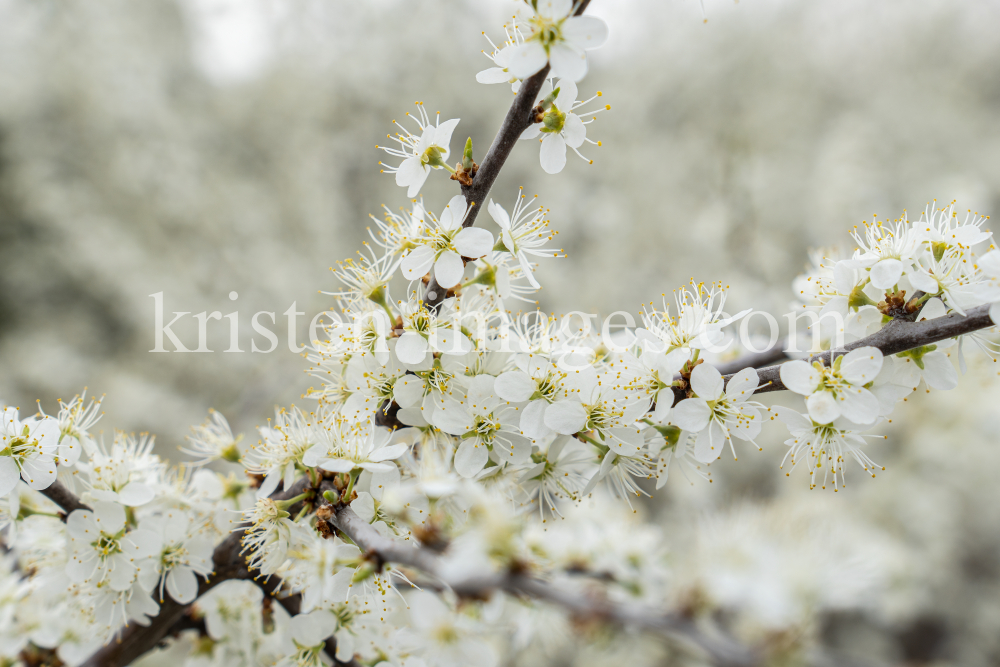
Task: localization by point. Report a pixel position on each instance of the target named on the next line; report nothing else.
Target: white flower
(447, 637)
(558, 474)
(102, 549)
(824, 446)
(942, 232)
(366, 281)
(558, 39)
(347, 449)
(309, 632)
(673, 444)
(278, 454)
(929, 363)
(716, 414)
(562, 126)
(698, 324)
(269, 535)
(523, 233)
(653, 376)
(537, 381)
(487, 426)
(213, 441)
(444, 244)
(598, 402)
(76, 418)
(321, 570)
(126, 473)
(371, 384)
(27, 451)
(184, 553)
(501, 58)
(421, 153)
(887, 251)
(838, 390)
(427, 330)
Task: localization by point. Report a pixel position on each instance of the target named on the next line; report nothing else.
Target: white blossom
(832, 391)
(420, 152)
(28, 451)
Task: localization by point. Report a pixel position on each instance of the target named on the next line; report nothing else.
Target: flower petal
(553, 154)
(565, 417)
(449, 269)
(473, 242)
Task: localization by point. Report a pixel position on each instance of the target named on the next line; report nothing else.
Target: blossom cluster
(445, 420)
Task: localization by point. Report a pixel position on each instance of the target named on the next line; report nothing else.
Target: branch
(897, 336)
(519, 118)
(64, 498)
(723, 650)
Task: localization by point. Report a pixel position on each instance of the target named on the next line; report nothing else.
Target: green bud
(467, 161)
(332, 497)
(547, 102)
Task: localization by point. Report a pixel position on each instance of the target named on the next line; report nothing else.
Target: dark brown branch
(897, 336)
(519, 118)
(64, 498)
(773, 355)
(723, 650)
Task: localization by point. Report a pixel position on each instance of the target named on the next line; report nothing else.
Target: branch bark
(64, 498)
(897, 336)
(723, 650)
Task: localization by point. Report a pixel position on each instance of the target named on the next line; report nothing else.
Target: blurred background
(203, 147)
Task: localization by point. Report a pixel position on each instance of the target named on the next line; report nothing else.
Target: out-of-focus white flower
(553, 36)
(309, 632)
(421, 153)
(832, 391)
(562, 125)
(27, 451)
(824, 447)
(717, 412)
(443, 245)
(446, 637)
